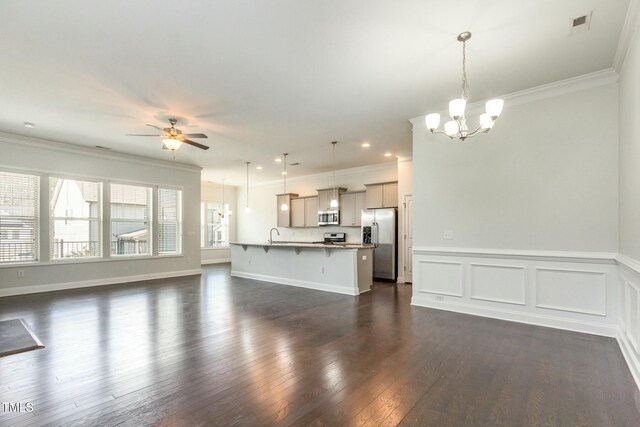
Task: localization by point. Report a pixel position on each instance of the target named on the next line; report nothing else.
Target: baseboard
(215, 261)
(629, 356)
(23, 290)
(297, 283)
(594, 328)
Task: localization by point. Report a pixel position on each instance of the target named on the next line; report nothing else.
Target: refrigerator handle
(375, 235)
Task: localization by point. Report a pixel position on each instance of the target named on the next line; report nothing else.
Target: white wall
(629, 257)
(212, 192)
(545, 178)
(533, 207)
(20, 153)
(630, 151)
(254, 227)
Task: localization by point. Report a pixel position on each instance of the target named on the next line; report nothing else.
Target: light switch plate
(364, 257)
(447, 234)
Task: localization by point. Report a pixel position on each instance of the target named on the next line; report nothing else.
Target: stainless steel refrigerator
(380, 227)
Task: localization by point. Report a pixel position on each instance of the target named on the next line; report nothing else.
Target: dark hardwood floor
(216, 350)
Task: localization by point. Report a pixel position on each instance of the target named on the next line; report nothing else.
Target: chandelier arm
(444, 133)
(478, 130)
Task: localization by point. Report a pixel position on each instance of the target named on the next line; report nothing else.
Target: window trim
(202, 227)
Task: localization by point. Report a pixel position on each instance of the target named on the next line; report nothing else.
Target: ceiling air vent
(581, 23)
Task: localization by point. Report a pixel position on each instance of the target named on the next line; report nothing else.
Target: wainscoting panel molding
(440, 277)
(567, 290)
(499, 283)
(571, 290)
(629, 313)
(595, 293)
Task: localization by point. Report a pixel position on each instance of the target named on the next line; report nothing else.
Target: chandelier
(458, 128)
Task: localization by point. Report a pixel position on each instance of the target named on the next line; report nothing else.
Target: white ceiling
(264, 77)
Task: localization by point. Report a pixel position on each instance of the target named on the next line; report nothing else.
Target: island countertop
(285, 244)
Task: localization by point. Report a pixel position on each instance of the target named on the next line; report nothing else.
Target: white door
(408, 238)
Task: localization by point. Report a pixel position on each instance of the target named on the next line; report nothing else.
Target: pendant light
(334, 199)
(457, 128)
(284, 206)
(247, 209)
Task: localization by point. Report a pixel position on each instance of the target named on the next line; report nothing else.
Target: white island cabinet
(344, 269)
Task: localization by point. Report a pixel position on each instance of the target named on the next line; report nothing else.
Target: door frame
(406, 255)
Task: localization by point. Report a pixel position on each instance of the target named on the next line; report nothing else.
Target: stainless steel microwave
(329, 217)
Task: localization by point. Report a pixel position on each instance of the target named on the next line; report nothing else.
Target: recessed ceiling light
(278, 159)
(283, 172)
(387, 154)
(29, 125)
(365, 145)
(259, 168)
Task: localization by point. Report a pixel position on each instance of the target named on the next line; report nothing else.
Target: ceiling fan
(173, 138)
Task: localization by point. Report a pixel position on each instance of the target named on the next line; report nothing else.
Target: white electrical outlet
(322, 270)
(447, 234)
(439, 297)
(188, 260)
(21, 273)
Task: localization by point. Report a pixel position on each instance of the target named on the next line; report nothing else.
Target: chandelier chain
(465, 84)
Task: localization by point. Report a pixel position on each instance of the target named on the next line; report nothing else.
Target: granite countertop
(307, 245)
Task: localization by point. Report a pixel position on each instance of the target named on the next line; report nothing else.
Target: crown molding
(629, 30)
(550, 90)
(65, 147)
(339, 173)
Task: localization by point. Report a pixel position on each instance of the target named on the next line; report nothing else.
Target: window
(169, 221)
(76, 218)
(215, 224)
(19, 217)
(130, 220)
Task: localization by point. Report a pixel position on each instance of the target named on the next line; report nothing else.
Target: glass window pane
(76, 218)
(130, 220)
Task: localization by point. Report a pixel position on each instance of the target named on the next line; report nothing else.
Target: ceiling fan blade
(195, 144)
(154, 126)
(141, 134)
(195, 135)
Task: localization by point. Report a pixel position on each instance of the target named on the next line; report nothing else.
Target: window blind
(169, 221)
(19, 217)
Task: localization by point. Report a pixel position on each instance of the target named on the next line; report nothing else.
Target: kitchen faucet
(271, 235)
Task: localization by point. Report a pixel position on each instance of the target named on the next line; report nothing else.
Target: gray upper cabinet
(304, 212)
(325, 195)
(284, 217)
(382, 195)
(311, 211)
(297, 213)
(351, 206)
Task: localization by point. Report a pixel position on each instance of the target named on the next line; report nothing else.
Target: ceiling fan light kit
(457, 127)
(173, 138)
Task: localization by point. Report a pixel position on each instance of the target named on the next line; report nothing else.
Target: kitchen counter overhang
(341, 268)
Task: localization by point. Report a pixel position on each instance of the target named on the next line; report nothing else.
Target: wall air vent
(581, 23)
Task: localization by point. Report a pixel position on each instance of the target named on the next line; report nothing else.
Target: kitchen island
(345, 268)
